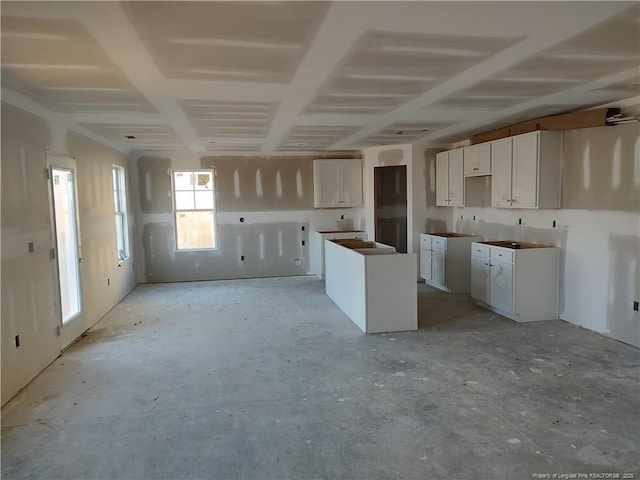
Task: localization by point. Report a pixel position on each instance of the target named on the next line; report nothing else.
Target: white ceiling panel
(301, 76)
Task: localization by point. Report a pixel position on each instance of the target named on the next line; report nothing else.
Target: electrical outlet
(474, 218)
(461, 217)
(635, 305)
(31, 247)
(519, 221)
(242, 258)
(297, 261)
(303, 228)
(303, 243)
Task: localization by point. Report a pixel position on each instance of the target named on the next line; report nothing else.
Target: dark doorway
(390, 192)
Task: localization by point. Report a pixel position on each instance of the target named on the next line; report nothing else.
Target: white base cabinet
(445, 260)
(374, 287)
(316, 247)
(521, 284)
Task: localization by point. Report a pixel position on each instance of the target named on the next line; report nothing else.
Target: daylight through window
(194, 203)
(120, 201)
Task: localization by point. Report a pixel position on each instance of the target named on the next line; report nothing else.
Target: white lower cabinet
(445, 261)
(519, 283)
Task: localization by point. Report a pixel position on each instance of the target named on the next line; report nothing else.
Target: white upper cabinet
(337, 183)
(526, 170)
(501, 156)
(477, 160)
(450, 178)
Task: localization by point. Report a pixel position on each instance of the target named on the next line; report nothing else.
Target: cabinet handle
(486, 264)
(476, 168)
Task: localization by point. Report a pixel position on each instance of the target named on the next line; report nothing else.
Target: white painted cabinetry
(375, 287)
(316, 246)
(450, 178)
(521, 284)
(337, 183)
(526, 170)
(445, 260)
(477, 160)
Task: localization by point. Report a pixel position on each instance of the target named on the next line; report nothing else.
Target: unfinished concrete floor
(268, 379)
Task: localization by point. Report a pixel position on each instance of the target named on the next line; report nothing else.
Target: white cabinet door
(524, 189)
(480, 278)
(442, 179)
(501, 155)
(438, 266)
(477, 159)
(351, 173)
(337, 183)
(326, 177)
(501, 285)
(456, 178)
(425, 261)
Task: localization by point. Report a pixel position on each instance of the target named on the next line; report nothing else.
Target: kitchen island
(374, 285)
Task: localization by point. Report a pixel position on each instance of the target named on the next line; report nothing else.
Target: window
(194, 204)
(120, 201)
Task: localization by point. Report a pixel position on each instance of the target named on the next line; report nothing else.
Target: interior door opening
(67, 245)
(390, 193)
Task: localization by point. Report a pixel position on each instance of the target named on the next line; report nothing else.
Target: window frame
(213, 210)
(118, 173)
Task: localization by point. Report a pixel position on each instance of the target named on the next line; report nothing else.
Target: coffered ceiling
(284, 76)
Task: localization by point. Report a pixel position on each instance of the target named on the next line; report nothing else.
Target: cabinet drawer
(480, 250)
(502, 254)
(439, 242)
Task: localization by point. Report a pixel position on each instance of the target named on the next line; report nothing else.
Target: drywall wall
(272, 195)
(417, 177)
(28, 280)
(598, 228)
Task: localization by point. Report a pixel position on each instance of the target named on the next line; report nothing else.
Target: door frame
(70, 330)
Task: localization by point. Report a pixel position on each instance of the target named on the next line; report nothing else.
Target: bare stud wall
(28, 284)
(597, 229)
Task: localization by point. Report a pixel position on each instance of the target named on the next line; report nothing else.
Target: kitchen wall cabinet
(526, 170)
(477, 160)
(521, 284)
(445, 260)
(337, 183)
(450, 178)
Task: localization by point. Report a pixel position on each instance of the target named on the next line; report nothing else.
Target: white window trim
(122, 195)
(175, 210)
